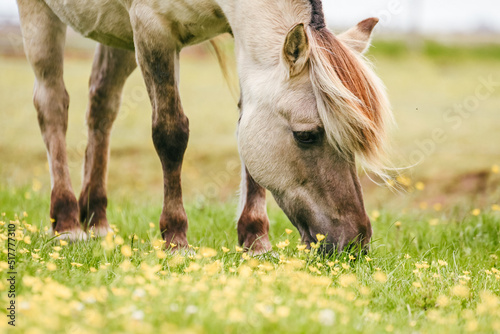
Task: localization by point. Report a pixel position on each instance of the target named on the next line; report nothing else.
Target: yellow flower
(397, 224)
(442, 301)
(375, 215)
(460, 291)
(368, 259)
(320, 237)
(119, 240)
(434, 222)
(245, 256)
(208, 252)
(351, 257)
(407, 256)
(54, 255)
(27, 239)
(161, 254)
(495, 207)
(423, 205)
(75, 264)
(380, 277)
(301, 247)
(151, 225)
(442, 263)
(126, 251)
(417, 284)
(93, 270)
(438, 207)
(63, 242)
(283, 244)
(238, 249)
(495, 169)
(420, 186)
(35, 256)
(51, 266)
(288, 231)
(225, 250)
(347, 280)
(476, 212)
(345, 266)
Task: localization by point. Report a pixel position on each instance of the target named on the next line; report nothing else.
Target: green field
(434, 260)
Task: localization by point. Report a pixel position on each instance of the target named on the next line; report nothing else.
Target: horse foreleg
(44, 36)
(253, 223)
(158, 58)
(110, 70)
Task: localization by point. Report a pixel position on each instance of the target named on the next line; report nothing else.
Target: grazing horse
(310, 106)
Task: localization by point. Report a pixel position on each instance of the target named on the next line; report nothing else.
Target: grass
(432, 268)
(431, 271)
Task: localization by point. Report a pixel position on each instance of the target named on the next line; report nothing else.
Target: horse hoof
(72, 235)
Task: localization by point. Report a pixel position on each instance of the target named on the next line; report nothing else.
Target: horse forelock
(351, 99)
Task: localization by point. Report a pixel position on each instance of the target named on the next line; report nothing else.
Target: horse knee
(170, 139)
(51, 102)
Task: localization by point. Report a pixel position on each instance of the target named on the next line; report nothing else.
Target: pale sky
(426, 16)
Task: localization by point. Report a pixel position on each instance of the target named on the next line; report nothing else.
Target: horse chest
(108, 21)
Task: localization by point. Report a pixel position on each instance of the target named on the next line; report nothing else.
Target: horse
(311, 107)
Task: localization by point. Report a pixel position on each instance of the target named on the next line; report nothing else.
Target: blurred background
(440, 61)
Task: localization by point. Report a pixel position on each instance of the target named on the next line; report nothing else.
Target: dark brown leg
(44, 46)
(253, 224)
(158, 59)
(110, 70)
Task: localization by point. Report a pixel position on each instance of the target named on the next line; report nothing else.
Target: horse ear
(296, 49)
(358, 38)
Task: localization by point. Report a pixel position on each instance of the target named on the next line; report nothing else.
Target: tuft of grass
(427, 271)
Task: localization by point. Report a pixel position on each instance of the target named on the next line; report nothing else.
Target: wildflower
(27, 239)
(375, 215)
(320, 237)
(326, 317)
(224, 249)
(126, 251)
(93, 270)
(345, 266)
(417, 285)
(347, 280)
(288, 231)
(161, 254)
(172, 245)
(495, 207)
(368, 259)
(283, 244)
(495, 169)
(407, 256)
(301, 247)
(245, 256)
(119, 240)
(76, 264)
(283, 312)
(460, 291)
(193, 266)
(423, 205)
(438, 207)
(35, 256)
(51, 266)
(54, 255)
(442, 301)
(397, 224)
(238, 249)
(434, 222)
(63, 242)
(151, 225)
(380, 277)
(314, 270)
(314, 245)
(442, 263)
(476, 212)
(420, 186)
(208, 252)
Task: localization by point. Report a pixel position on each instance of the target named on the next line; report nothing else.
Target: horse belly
(105, 21)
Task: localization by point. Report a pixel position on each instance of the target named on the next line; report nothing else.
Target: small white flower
(191, 309)
(138, 315)
(326, 317)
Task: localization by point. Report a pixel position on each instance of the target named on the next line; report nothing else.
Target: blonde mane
(351, 99)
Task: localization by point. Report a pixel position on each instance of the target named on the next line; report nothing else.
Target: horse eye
(306, 137)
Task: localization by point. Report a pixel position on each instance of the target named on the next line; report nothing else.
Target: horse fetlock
(174, 230)
(64, 213)
(93, 210)
(253, 233)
